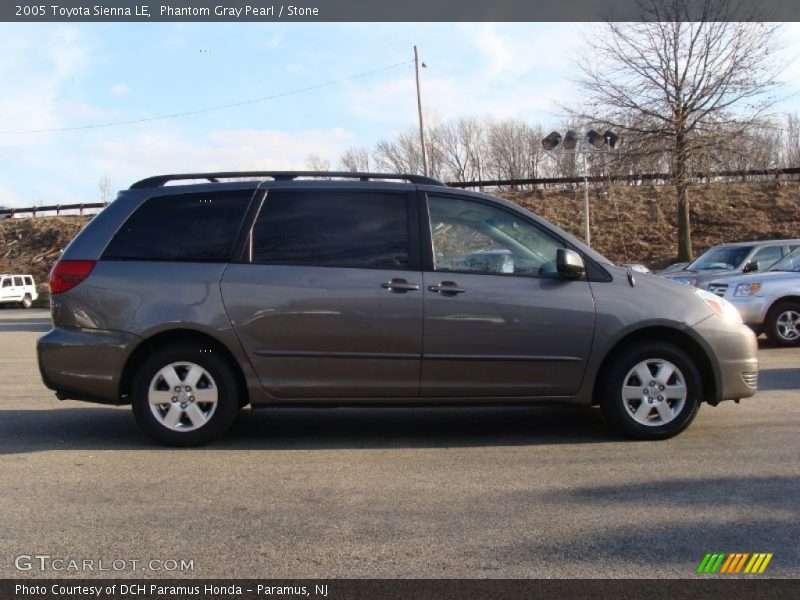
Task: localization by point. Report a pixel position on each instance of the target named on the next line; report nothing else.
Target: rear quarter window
(198, 227)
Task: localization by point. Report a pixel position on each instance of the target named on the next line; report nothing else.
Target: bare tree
(791, 143)
(104, 184)
(685, 78)
(355, 160)
(315, 162)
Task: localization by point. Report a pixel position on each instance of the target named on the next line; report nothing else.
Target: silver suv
(769, 301)
(352, 289)
(729, 260)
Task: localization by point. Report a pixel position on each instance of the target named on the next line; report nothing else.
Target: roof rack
(160, 180)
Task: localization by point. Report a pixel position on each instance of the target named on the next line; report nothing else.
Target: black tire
(614, 406)
(27, 301)
(222, 378)
(771, 323)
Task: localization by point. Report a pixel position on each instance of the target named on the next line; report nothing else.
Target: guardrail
(659, 178)
(54, 208)
(656, 178)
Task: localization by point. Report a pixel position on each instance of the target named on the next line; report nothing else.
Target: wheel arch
(685, 339)
(174, 336)
(794, 297)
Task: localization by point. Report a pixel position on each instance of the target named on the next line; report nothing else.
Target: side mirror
(750, 267)
(569, 264)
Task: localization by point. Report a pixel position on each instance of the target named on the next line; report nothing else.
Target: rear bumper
(736, 351)
(84, 364)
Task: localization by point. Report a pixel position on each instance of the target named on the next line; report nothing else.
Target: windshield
(727, 258)
(790, 262)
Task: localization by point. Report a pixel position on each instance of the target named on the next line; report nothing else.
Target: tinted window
(18, 281)
(7, 282)
(190, 227)
(332, 229)
(29, 281)
(473, 237)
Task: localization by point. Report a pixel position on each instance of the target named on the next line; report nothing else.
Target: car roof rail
(161, 180)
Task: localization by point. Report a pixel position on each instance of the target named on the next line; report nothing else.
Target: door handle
(446, 288)
(399, 285)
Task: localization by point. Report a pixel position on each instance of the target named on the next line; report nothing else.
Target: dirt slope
(629, 224)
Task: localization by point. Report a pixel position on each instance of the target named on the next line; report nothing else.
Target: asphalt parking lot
(461, 492)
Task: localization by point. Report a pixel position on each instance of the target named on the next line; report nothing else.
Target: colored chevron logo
(735, 563)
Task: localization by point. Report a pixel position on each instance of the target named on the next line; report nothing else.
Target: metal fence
(636, 178)
(52, 210)
(631, 179)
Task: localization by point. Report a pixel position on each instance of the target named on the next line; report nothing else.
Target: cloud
(119, 89)
(53, 58)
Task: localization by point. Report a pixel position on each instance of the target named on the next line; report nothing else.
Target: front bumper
(752, 308)
(736, 352)
(84, 364)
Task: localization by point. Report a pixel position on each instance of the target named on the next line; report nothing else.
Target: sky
(56, 76)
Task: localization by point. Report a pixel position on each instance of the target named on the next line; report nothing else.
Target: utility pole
(419, 110)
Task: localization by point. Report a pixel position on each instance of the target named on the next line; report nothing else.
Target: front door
(328, 301)
(499, 320)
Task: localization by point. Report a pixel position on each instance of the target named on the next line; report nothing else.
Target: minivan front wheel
(183, 395)
(651, 390)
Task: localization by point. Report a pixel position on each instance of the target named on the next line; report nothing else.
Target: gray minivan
(191, 300)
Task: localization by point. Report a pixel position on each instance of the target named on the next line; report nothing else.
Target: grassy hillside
(639, 224)
(629, 224)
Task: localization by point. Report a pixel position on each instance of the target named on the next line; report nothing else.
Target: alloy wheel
(654, 392)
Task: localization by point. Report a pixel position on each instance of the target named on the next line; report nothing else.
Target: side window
(186, 227)
(18, 281)
(472, 237)
(367, 230)
(766, 257)
(7, 282)
(29, 281)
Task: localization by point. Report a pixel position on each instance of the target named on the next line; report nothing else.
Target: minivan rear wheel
(650, 391)
(184, 395)
(27, 301)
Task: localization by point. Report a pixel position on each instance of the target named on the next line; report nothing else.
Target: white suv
(18, 289)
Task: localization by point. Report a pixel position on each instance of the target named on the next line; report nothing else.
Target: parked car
(636, 267)
(18, 289)
(727, 260)
(678, 266)
(353, 289)
(769, 302)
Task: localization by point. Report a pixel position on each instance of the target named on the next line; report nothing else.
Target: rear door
(18, 290)
(327, 300)
(499, 320)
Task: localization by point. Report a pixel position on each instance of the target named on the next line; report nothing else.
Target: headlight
(747, 289)
(685, 280)
(722, 307)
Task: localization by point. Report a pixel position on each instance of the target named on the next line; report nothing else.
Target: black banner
(368, 10)
(388, 589)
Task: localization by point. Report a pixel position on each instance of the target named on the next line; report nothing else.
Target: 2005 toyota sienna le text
(191, 300)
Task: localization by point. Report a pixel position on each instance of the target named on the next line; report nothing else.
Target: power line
(211, 108)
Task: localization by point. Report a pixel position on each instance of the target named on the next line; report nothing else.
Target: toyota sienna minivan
(192, 296)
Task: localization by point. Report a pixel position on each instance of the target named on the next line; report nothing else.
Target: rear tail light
(66, 274)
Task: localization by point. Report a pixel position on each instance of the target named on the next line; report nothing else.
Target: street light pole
(587, 234)
(574, 145)
(419, 110)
